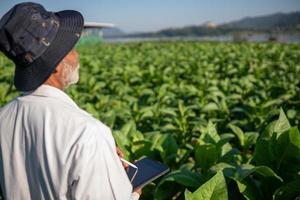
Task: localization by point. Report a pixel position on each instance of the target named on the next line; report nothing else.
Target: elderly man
(49, 147)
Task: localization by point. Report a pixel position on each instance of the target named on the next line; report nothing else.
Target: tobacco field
(224, 117)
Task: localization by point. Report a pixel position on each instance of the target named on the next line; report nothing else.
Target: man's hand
(139, 191)
(125, 165)
(121, 155)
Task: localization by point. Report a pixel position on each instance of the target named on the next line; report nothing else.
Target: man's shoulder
(90, 127)
(8, 105)
(56, 109)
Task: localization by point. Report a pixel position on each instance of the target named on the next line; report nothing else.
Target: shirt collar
(50, 91)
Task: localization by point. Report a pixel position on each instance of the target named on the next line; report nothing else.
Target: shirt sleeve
(97, 172)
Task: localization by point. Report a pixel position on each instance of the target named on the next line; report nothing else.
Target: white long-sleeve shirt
(52, 149)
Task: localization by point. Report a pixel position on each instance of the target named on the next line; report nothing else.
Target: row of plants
(223, 116)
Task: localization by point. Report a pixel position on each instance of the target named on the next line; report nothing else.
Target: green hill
(279, 22)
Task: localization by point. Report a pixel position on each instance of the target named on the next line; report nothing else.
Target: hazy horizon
(233, 20)
(144, 16)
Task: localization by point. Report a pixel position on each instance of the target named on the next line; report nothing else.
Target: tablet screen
(148, 170)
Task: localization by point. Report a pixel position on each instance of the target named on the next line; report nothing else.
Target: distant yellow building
(211, 25)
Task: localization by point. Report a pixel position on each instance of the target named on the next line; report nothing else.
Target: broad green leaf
(227, 169)
(183, 177)
(231, 156)
(146, 114)
(287, 151)
(170, 148)
(209, 134)
(168, 128)
(268, 130)
(168, 111)
(249, 189)
(165, 144)
(213, 189)
(264, 153)
(110, 118)
(128, 128)
(246, 170)
(210, 107)
(239, 133)
(282, 124)
(206, 155)
(225, 138)
(250, 139)
(281, 154)
(289, 190)
(123, 142)
(294, 135)
(272, 102)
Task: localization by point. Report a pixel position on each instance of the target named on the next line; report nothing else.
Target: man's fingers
(120, 152)
(121, 155)
(139, 191)
(125, 165)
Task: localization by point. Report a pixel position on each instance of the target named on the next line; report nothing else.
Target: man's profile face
(70, 69)
(72, 58)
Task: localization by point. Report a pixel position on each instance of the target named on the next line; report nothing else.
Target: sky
(153, 15)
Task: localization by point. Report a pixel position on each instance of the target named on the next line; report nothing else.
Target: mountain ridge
(276, 22)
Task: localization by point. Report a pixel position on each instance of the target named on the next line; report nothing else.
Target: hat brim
(31, 77)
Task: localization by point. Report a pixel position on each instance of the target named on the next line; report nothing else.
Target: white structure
(98, 25)
(94, 29)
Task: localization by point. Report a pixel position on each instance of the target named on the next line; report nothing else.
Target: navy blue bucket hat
(36, 40)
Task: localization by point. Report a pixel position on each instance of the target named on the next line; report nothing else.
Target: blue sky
(152, 15)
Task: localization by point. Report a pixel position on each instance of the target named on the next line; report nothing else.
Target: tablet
(145, 171)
